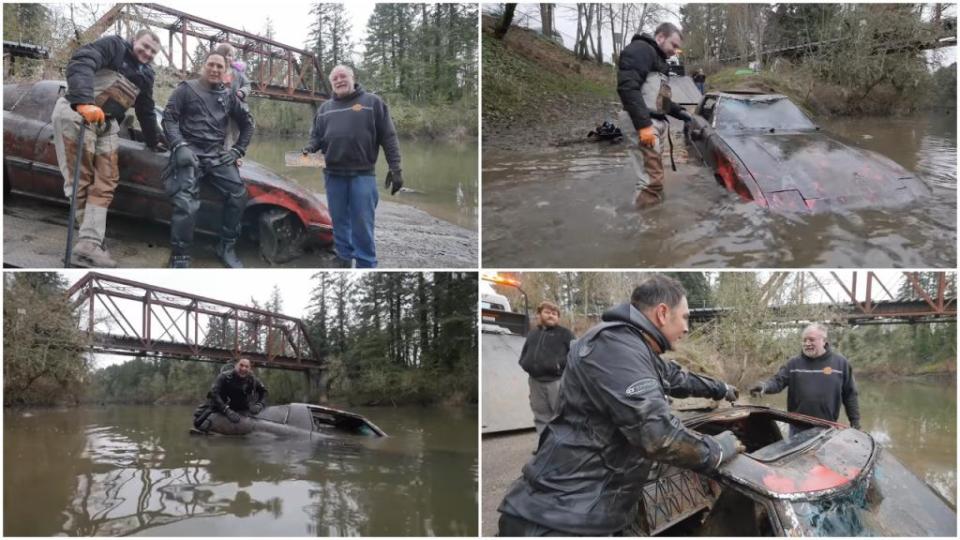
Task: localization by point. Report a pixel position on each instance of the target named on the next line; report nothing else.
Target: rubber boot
(343, 263)
(228, 255)
(89, 250)
(648, 197)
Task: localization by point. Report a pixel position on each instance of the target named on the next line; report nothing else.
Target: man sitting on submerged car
(614, 428)
(233, 392)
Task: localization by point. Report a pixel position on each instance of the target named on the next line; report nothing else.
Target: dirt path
(34, 236)
(503, 457)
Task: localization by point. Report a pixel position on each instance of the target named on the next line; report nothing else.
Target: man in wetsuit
(614, 430)
(195, 121)
(233, 392)
(818, 381)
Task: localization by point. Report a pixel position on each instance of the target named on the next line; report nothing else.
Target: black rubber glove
(233, 416)
(306, 150)
(256, 408)
(855, 424)
(685, 116)
(229, 157)
(184, 157)
(394, 181)
(732, 393)
(730, 445)
(757, 389)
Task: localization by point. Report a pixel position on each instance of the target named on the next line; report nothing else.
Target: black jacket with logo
(116, 54)
(817, 386)
(544, 354)
(350, 131)
(613, 428)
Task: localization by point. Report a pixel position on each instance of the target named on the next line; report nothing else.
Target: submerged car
(765, 149)
(824, 480)
(297, 420)
(281, 216)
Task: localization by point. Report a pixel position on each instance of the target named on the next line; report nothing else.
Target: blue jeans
(353, 202)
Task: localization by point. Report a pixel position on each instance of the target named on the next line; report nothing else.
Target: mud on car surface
(283, 218)
(824, 480)
(765, 149)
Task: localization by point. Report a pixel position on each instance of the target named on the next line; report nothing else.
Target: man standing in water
(643, 82)
(614, 429)
(233, 392)
(817, 381)
(350, 129)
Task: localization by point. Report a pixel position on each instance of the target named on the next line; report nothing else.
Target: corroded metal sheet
(506, 402)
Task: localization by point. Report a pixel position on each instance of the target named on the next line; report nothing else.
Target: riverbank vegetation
(387, 339)
(421, 58)
(761, 317)
(832, 59)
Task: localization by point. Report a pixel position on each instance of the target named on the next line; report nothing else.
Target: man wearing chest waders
(643, 82)
(105, 78)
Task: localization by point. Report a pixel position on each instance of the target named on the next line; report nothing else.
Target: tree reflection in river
(135, 470)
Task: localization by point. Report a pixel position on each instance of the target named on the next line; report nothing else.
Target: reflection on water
(441, 176)
(916, 420)
(576, 202)
(136, 470)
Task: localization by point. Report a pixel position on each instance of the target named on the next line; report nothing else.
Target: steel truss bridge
(125, 317)
(856, 307)
(282, 72)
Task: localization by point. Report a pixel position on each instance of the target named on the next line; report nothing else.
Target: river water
(131, 470)
(571, 207)
(440, 176)
(915, 419)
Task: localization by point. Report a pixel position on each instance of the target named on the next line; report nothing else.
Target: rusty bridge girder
(856, 307)
(164, 323)
(284, 72)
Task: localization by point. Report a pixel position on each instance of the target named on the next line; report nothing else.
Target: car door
(701, 128)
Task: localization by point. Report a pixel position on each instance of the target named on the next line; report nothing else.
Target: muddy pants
(185, 194)
(649, 188)
(544, 399)
(99, 172)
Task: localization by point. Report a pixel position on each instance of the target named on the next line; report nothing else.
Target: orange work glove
(648, 136)
(91, 113)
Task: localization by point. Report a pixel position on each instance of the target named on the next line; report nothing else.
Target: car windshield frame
(767, 113)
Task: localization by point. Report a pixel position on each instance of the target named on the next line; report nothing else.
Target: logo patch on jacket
(357, 107)
(641, 387)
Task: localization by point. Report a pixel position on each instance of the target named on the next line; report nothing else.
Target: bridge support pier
(316, 385)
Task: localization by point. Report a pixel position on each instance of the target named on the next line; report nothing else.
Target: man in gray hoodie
(350, 129)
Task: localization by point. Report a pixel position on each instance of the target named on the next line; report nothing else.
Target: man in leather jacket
(614, 430)
(643, 83)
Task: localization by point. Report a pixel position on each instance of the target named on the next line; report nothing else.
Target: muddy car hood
(815, 169)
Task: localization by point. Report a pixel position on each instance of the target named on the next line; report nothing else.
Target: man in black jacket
(105, 78)
(350, 129)
(614, 427)
(643, 82)
(543, 357)
(195, 121)
(817, 381)
(234, 391)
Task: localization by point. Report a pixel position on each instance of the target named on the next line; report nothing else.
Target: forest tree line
(744, 339)
(386, 339)
(421, 58)
(867, 51)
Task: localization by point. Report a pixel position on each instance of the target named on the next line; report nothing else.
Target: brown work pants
(649, 189)
(99, 171)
